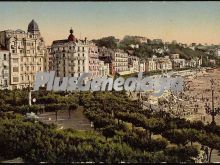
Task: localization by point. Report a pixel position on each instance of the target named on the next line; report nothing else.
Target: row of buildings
(22, 54)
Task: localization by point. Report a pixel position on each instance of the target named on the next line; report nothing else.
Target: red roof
(71, 38)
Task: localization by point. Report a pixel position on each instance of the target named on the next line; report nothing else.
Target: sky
(185, 22)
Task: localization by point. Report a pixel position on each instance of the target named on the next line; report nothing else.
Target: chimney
(85, 39)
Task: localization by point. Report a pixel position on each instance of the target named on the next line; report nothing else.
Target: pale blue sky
(183, 21)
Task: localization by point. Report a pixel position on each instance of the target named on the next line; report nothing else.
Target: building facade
(120, 61)
(94, 62)
(150, 64)
(70, 56)
(103, 69)
(133, 64)
(178, 63)
(117, 60)
(4, 68)
(217, 52)
(164, 63)
(27, 53)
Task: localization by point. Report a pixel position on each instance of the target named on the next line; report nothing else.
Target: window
(4, 56)
(21, 51)
(6, 82)
(15, 60)
(22, 68)
(13, 51)
(15, 79)
(15, 69)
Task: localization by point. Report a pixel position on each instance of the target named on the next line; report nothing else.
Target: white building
(217, 52)
(179, 63)
(27, 54)
(133, 63)
(142, 66)
(151, 64)
(120, 61)
(103, 69)
(70, 56)
(4, 68)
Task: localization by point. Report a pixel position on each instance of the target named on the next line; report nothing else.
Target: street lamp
(212, 111)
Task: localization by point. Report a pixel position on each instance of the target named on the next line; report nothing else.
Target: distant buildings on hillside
(22, 54)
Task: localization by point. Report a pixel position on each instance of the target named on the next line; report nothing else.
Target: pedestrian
(207, 153)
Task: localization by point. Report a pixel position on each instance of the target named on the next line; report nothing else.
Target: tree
(127, 41)
(176, 136)
(108, 42)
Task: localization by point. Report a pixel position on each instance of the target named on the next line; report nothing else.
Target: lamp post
(212, 110)
(29, 94)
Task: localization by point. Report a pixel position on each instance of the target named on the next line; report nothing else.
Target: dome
(71, 36)
(33, 26)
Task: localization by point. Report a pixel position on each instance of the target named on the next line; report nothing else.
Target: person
(207, 153)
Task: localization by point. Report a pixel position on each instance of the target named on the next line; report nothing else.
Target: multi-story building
(120, 61)
(49, 60)
(142, 66)
(217, 52)
(133, 63)
(27, 53)
(105, 55)
(70, 56)
(117, 59)
(195, 62)
(94, 62)
(4, 68)
(178, 63)
(150, 64)
(164, 63)
(103, 68)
